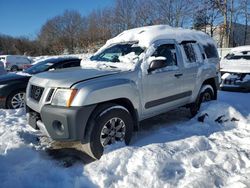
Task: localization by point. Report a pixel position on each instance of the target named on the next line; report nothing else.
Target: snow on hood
(23, 74)
(241, 49)
(237, 66)
(127, 62)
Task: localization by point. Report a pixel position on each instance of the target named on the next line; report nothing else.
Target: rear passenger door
(192, 60)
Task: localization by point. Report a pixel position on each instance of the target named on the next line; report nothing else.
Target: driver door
(162, 89)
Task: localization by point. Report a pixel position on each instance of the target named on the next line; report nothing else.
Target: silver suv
(140, 73)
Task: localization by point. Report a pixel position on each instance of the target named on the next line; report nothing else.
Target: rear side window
(210, 50)
(190, 52)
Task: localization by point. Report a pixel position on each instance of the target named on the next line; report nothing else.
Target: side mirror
(157, 63)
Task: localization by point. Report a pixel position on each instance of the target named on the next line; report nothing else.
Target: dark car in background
(13, 85)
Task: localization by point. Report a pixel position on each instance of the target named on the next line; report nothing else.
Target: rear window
(210, 50)
(2, 58)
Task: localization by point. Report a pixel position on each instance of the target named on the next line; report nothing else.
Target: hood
(235, 66)
(65, 78)
(6, 78)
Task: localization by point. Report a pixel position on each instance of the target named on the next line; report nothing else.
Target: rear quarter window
(210, 51)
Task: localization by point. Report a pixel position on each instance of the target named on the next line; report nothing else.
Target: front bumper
(61, 123)
(234, 88)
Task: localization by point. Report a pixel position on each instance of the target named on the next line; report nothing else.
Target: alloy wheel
(113, 131)
(18, 100)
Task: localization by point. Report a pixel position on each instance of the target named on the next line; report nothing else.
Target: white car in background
(2, 70)
(15, 62)
(235, 69)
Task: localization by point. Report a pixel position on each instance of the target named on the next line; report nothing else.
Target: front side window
(169, 52)
(113, 53)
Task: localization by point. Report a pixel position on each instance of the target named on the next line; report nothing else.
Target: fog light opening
(58, 127)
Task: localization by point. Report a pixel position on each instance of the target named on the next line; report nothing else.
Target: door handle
(178, 75)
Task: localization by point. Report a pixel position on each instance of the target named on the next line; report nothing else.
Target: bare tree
(62, 32)
(174, 12)
(246, 13)
(125, 14)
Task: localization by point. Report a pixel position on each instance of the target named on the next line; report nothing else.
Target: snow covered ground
(169, 151)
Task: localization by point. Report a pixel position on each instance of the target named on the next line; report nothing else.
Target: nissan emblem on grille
(36, 92)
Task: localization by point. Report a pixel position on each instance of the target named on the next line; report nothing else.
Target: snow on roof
(241, 49)
(147, 35)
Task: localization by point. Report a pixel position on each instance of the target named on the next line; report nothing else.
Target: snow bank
(190, 154)
(169, 151)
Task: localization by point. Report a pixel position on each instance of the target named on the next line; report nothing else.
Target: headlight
(63, 97)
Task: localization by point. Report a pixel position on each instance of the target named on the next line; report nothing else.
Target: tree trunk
(246, 22)
(230, 24)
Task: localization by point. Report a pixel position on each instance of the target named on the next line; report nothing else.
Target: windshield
(236, 57)
(113, 53)
(40, 67)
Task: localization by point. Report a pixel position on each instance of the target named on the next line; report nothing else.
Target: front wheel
(16, 100)
(108, 125)
(206, 94)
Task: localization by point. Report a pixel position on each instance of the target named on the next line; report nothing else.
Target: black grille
(36, 92)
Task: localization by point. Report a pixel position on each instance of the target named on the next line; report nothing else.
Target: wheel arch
(12, 92)
(124, 102)
(10, 89)
(211, 82)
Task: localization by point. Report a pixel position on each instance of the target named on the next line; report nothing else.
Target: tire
(14, 68)
(110, 123)
(16, 100)
(206, 94)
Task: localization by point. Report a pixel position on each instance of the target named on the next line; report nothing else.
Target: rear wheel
(206, 94)
(109, 124)
(16, 100)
